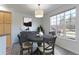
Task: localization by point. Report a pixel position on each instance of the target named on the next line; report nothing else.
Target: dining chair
(24, 45)
(52, 33)
(47, 48)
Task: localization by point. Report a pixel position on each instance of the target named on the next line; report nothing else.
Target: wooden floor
(58, 50)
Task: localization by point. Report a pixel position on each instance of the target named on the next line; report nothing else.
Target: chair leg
(53, 52)
(28, 51)
(32, 48)
(43, 48)
(21, 52)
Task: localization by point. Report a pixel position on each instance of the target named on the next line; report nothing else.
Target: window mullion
(56, 25)
(64, 29)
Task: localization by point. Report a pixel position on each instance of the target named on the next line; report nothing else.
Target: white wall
(67, 44)
(2, 45)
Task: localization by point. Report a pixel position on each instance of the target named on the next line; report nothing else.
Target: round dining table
(38, 39)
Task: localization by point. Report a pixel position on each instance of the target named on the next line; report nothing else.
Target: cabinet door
(7, 18)
(1, 17)
(7, 28)
(8, 40)
(1, 29)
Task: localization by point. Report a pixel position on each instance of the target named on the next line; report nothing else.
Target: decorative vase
(41, 33)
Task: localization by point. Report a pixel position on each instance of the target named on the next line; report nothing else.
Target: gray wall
(46, 23)
(65, 43)
(17, 24)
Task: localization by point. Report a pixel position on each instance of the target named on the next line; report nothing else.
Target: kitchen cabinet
(5, 26)
(1, 29)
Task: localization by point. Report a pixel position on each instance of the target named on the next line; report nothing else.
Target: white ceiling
(29, 8)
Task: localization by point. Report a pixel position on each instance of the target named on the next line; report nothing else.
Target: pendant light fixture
(39, 12)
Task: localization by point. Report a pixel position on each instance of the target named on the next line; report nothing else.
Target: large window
(64, 24)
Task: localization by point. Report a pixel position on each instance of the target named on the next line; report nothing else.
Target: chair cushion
(46, 45)
(26, 45)
(46, 51)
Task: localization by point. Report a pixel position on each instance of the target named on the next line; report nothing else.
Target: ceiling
(29, 8)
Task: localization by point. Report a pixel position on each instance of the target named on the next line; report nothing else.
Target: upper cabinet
(5, 22)
(7, 18)
(1, 17)
(1, 29)
(7, 28)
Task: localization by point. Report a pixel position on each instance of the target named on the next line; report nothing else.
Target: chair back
(20, 41)
(50, 45)
(53, 33)
(26, 35)
(51, 41)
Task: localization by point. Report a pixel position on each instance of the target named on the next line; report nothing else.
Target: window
(58, 19)
(52, 23)
(70, 25)
(62, 16)
(53, 20)
(64, 23)
(73, 12)
(67, 14)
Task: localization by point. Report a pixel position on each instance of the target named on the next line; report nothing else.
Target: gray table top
(32, 36)
(40, 39)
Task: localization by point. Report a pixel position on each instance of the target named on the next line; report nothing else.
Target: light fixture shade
(39, 12)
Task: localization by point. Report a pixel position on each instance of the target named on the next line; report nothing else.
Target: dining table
(38, 39)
